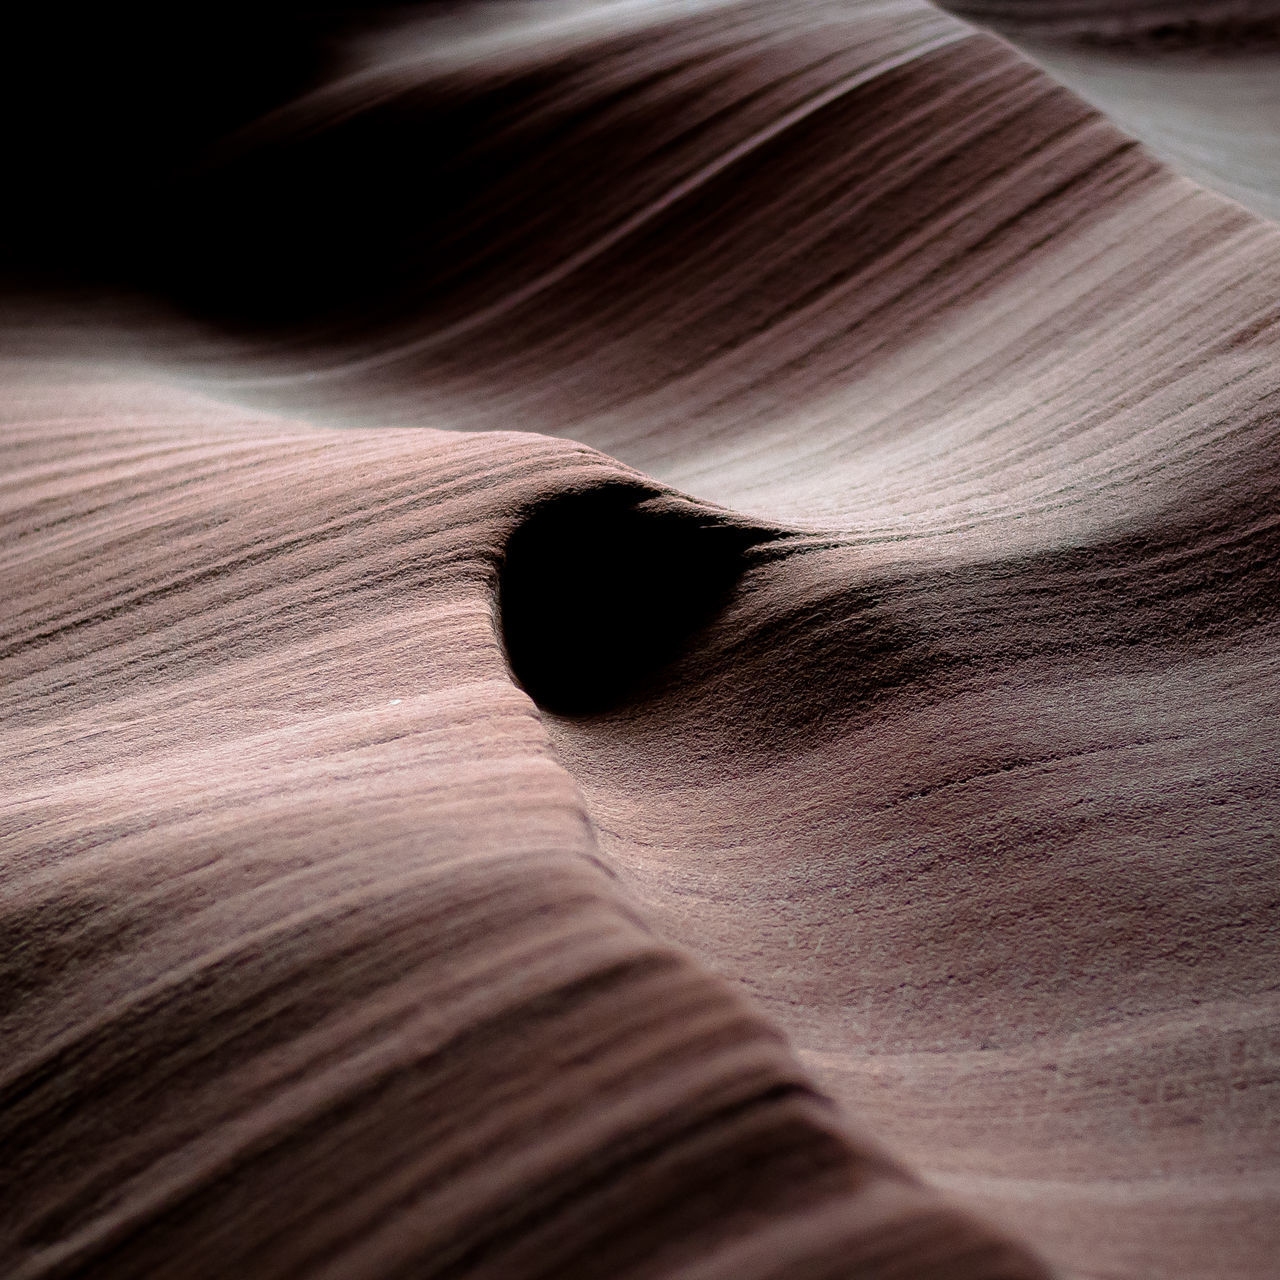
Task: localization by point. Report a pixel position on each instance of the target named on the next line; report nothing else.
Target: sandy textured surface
(641, 640)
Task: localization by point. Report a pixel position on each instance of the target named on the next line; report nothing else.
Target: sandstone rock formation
(639, 640)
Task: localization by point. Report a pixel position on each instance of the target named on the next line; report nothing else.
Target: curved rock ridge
(1208, 21)
(1196, 81)
(312, 963)
(752, 753)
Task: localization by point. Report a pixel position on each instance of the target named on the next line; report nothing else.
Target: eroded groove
(600, 591)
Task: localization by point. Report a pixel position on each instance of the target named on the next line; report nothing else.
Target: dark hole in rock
(601, 591)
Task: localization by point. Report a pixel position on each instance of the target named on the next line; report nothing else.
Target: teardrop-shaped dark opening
(600, 592)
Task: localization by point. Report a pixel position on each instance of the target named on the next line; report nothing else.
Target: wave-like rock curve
(443, 845)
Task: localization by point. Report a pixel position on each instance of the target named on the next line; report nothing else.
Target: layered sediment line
(751, 753)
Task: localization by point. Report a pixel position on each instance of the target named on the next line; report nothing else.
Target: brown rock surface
(436, 848)
(1196, 80)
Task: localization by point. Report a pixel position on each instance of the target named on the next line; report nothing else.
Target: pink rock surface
(753, 750)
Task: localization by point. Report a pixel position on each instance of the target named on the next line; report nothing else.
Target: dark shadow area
(146, 158)
(816, 643)
(106, 109)
(599, 592)
(807, 649)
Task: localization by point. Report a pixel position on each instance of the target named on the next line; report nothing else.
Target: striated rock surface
(1196, 80)
(638, 640)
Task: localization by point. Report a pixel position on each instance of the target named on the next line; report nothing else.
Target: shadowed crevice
(599, 592)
